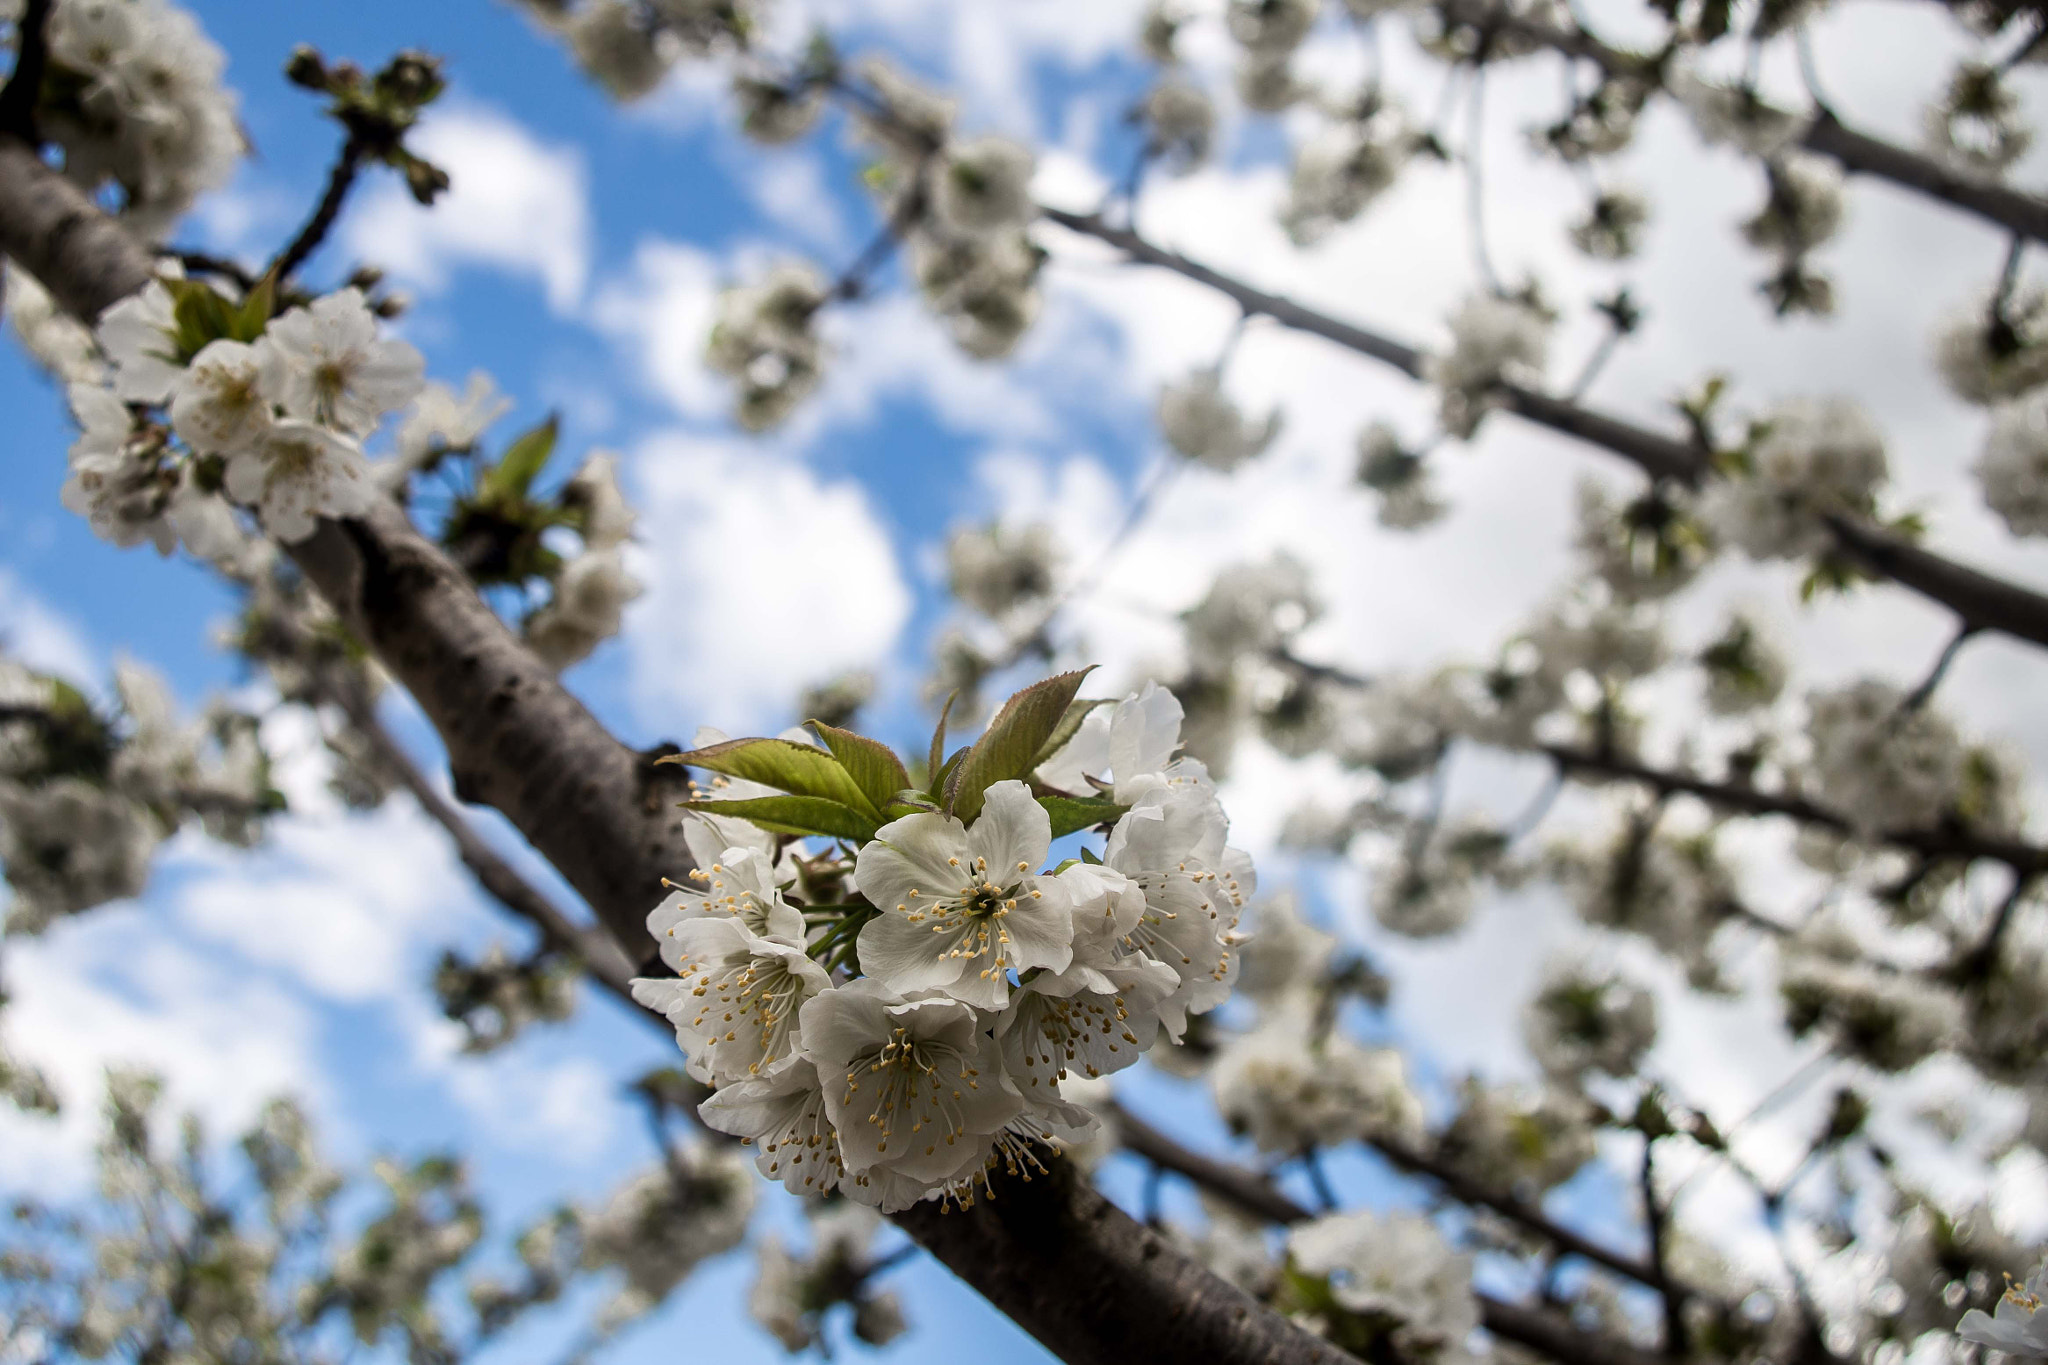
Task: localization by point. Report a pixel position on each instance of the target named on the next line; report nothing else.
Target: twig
(1475, 183)
(1919, 696)
(340, 180)
(1942, 842)
(205, 263)
(1979, 960)
(590, 946)
(1656, 1219)
(1319, 1180)
(25, 84)
(1809, 68)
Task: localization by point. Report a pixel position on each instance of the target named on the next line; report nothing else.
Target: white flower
(1996, 349)
(1493, 340)
(1266, 83)
(1879, 765)
(1744, 671)
(1672, 891)
(740, 884)
(1341, 170)
(2014, 467)
(1172, 845)
(735, 998)
(1976, 126)
(1430, 890)
(67, 846)
(773, 112)
(1202, 424)
(1290, 1094)
(1807, 457)
(985, 287)
(983, 185)
(1611, 226)
(60, 343)
(325, 363)
(1249, 609)
(588, 608)
(2018, 1327)
(219, 407)
(594, 490)
(1096, 1016)
(963, 906)
(782, 1115)
(1890, 1019)
(1642, 550)
(1271, 27)
(913, 120)
(763, 340)
(913, 1088)
(1804, 208)
(1724, 114)
(1407, 497)
(1130, 745)
(138, 336)
(1610, 642)
(662, 1224)
(443, 421)
(1180, 123)
(1512, 1139)
(1583, 1019)
(618, 50)
(1396, 1266)
(299, 473)
(777, 1299)
(997, 569)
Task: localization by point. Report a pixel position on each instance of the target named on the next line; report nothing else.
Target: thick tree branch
(1537, 1328)
(1070, 1268)
(1978, 600)
(1825, 135)
(1945, 842)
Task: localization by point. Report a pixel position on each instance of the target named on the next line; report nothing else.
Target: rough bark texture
(1109, 1265)
(85, 259)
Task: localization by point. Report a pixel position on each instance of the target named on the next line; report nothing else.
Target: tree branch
(1978, 599)
(1824, 135)
(1536, 1328)
(1072, 1270)
(340, 180)
(1942, 842)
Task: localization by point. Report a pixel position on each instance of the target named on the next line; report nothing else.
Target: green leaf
(521, 463)
(797, 768)
(935, 768)
(1009, 747)
(1070, 724)
(795, 815)
(257, 307)
(1072, 814)
(200, 316)
(872, 765)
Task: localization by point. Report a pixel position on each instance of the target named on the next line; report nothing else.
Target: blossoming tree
(907, 985)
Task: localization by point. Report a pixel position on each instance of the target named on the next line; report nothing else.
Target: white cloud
(762, 578)
(514, 203)
(114, 988)
(37, 635)
(659, 311)
(344, 907)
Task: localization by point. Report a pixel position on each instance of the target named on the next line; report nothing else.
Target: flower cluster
(1204, 425)
(1805, 458)
(134, 98)
(2014, 467)
(1494, 338)
(1342, 169)
(85, 798)
(209, 396)
(764, 341)
(903, 1037)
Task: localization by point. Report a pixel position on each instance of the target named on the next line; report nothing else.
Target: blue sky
(575, 261)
